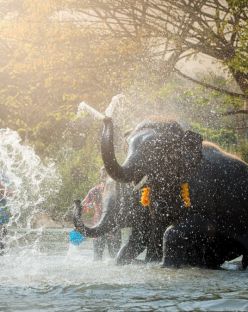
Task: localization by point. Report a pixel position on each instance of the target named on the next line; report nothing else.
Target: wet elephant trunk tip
(77, 213)
(101, 228)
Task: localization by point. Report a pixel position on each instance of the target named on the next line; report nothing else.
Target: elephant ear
(192, 149)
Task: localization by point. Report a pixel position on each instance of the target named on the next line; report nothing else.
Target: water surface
(41, 272)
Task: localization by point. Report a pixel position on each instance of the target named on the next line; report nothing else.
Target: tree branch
(235, 112)
(206, 85)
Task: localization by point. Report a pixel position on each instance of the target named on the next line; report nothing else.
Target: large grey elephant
(198, 208)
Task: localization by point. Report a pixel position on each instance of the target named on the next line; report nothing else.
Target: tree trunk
(242, 80)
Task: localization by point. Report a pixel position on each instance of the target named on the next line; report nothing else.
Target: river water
(42, 272)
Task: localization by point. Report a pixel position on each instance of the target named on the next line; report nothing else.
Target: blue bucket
(76, 238)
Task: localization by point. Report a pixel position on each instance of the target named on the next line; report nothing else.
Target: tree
(180, 28)
(50, 64)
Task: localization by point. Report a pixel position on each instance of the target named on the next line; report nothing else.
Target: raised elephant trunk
(107, 222)
(115, 171)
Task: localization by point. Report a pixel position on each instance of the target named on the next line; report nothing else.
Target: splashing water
(30, 182)
(121, 110)
(118, 102)
(84, 107)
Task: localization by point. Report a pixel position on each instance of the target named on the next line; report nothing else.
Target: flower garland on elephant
(145, 199)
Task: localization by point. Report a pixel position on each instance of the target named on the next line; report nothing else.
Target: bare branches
(211, 27)
(206, 85)
(202, 25)
(236, 112)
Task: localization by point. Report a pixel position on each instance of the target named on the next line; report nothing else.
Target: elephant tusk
(141, 183)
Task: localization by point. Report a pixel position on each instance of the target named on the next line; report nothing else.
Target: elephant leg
(244, 261)
(225, 248)
(192, 242)
(196, 242)
(154, 238)
(154, 252)
(174, 247)
(98, 247)
(114, 243)
(243, 241)
(135, 246)
(180, 249)
(155, 246)
(219, 250)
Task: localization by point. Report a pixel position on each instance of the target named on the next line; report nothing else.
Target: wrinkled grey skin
(214, 228)
(121, 209)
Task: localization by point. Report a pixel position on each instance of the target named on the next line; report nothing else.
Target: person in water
(5, 192)
(93, 202)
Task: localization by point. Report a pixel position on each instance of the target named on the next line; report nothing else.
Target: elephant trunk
(115, 171)
(108, 221)
(77, 213)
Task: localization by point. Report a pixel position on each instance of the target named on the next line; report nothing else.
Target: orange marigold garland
(185, 194)
(145, 196)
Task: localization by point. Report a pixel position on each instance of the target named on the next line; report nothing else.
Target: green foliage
(224, 137)
(51, 66)
(78, 160)
(47, 68)
(79, 172)
(239, 62)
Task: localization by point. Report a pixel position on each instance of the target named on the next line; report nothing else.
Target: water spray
(84, 107)
(117, 100)
(29, 184)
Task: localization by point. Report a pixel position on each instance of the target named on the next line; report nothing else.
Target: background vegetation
(54, 54)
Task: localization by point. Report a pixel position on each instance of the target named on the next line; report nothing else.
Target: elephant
(121, 209)
(198, 200)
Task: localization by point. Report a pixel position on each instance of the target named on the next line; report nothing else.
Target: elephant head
(108, 217)
(162, 151)
(117, 204)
